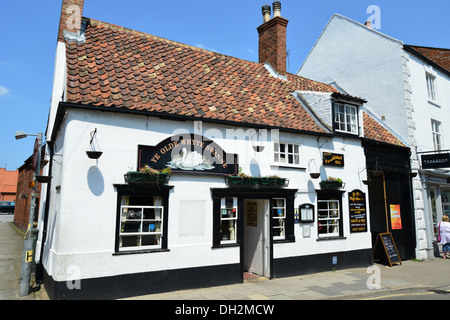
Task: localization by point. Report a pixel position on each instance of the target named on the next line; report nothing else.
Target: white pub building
(176, 167)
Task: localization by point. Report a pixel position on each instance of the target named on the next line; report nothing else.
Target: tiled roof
(121, 68)
(439, 56)
(376, 132)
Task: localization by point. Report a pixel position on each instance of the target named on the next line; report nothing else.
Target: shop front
(161, 218)
(436, 192)
(390, 192)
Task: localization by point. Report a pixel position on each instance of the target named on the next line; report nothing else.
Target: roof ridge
(426, 47)
(117, 27)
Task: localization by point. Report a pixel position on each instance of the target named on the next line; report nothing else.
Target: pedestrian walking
(444, 235)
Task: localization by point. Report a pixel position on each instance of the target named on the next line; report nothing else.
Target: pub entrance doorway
(256, 233)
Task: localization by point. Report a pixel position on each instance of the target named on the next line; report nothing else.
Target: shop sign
(188, 153)
(439, 160)
(358, 213)
(333, 159)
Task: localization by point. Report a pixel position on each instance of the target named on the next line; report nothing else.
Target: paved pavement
(412, 278)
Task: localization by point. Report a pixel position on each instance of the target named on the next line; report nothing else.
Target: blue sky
(29, 31)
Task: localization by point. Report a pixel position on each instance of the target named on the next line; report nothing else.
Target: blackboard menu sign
(390, 249)
(358, 213)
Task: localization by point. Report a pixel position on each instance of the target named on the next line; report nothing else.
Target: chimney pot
(266, 12)
(276, 9)
(272, 39)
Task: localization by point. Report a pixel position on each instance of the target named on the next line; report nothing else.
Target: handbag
(438, 239)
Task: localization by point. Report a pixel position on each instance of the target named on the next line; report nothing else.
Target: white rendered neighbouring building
(407, 89)
(144, 100)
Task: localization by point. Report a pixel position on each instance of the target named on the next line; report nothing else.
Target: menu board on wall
(358, 214)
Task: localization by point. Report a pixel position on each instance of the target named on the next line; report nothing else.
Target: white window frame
(346, 118)
(287, 154)
(327, 219)
(281, 225)
(232, 219)
(436, 130)
(140, 233)
(431, 86)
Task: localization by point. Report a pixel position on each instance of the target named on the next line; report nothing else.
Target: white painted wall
(365, 63)
(82, 218)
(426, 110)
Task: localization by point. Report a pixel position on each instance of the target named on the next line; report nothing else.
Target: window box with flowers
(244, 180)
(148, 175)
(332, 183)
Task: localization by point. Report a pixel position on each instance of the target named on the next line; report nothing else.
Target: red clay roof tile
(117, 67)
(122, 68)
(376, 132)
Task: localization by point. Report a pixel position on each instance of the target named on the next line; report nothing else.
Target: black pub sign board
(188, 153)
(438, 160)
(358, 213)
(333, 159)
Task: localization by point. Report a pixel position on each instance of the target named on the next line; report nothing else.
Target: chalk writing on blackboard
(390, 249)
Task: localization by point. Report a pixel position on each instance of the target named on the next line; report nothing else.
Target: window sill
(287, 166)
(434, 103)
(346, 133)
(331, 238)
(275, 241)
(226, 245)
(121, 253)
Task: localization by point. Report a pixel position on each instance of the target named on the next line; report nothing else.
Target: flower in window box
(331, 183)
(275, 181)
(147, 174)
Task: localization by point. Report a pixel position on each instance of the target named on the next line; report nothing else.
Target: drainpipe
(40, 266)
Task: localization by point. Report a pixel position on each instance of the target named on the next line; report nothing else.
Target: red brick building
(8, 184)
(23, 198)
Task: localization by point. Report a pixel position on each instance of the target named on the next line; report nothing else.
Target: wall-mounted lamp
(92, 153)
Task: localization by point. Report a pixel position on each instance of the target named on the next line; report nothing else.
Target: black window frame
(331, 195)
(249, 193)
(143, 190)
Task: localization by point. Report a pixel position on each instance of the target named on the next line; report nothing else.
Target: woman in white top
(444, 229)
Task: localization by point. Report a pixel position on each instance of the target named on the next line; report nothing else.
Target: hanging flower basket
(314, 175)
(94, 154)
(143, 177)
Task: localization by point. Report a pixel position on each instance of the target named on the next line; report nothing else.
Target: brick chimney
(272, 38)
(71, 16)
